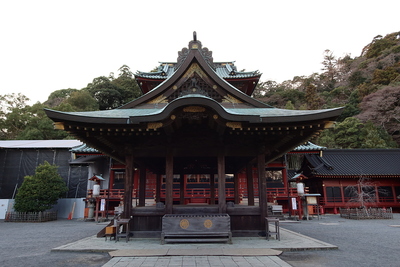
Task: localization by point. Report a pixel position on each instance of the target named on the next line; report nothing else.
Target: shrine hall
(196, 126)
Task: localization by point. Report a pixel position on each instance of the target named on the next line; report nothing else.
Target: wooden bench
(276, 209)
(196, 228)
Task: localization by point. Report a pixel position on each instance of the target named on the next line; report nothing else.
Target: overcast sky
(51, 45)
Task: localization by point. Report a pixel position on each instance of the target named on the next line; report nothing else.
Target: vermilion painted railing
(191, 193)
(197, 193)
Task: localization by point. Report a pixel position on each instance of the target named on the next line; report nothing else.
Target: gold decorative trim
(174, 87)
(230, 99)
(215, 116)
(194, 68)
(159, 99)
(234, 125)
(329, 125)
(154, 125)
(194, 109)
(59, 126)
(208, 223)
(173, 117)
(184, 224)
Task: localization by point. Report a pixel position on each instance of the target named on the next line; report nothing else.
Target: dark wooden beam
(158, 187)
(142, 187)
(212, 189)
(236, 188)
(169, 179)
(262, 188)
(129, 169)
(221, 183)
(182, 183)
(250, 184)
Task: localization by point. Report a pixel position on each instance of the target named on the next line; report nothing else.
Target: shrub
(40, 191)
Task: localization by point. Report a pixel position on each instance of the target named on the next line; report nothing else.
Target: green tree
(38, 126)
(13, 115)
(82, 101)
(19, 121)
(106, 94)
(385, 76)
(372, 137)
(312, 98)
(40, 191)
(127, 83)
(379, 44)
(326, 139)
(330, 73)
(59, 96)
(348, 133)
(356, 78)
(111, 93)
(352, 133)
(289, 105)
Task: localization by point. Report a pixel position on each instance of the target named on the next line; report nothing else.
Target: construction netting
(15, 164)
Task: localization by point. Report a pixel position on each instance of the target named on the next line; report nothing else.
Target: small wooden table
(276, 230)
(125, 224)
(110, 232)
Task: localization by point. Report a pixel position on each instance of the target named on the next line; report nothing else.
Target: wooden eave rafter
(147, 84)
(251, 83)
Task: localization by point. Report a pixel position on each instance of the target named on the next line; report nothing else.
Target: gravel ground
(360, 242)
(30, 244)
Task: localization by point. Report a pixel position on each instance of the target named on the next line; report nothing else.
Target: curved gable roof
(195, 62)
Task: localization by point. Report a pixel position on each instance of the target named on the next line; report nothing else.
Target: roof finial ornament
(195, 36)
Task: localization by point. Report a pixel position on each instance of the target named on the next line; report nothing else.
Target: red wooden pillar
(128, 186)
(250, 184)
(221, 183)
(142, 187)
(262, 188)
(169, 178)
(111, 181)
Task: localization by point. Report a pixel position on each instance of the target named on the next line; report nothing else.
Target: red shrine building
(197, 142)
(337, 174)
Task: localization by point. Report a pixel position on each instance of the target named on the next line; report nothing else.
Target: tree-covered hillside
(368, 86)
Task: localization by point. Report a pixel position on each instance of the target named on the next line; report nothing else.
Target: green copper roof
(226, 70)
(124, 116)
(309, 146)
